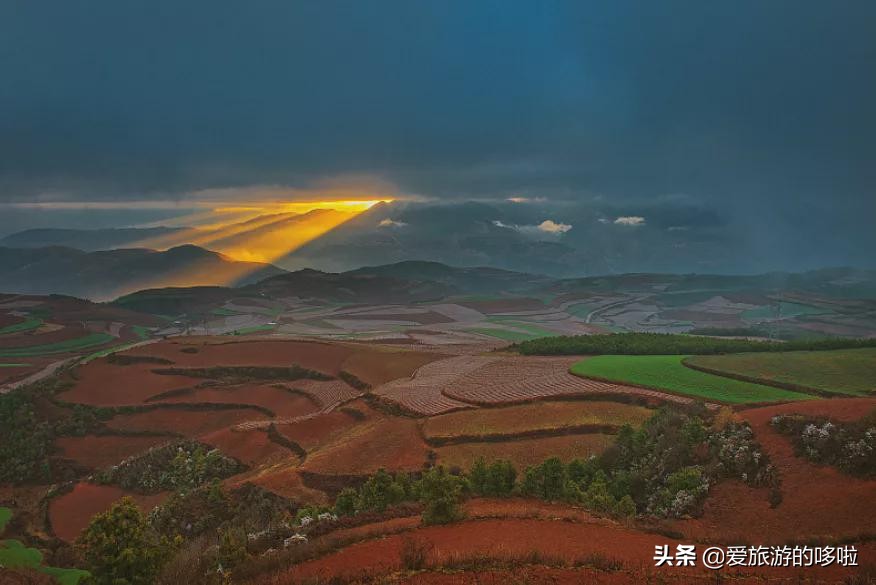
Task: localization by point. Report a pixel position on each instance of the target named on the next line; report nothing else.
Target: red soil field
(7, 319)
(70, 513)
(191, 423)
(282, 479)
(519, 379)
(391, 443)
(328, 393)
(534, 416)
(323, 357)
(378, 367)
(525, 452)
(282, 402)
(320, 430)
(249, 447)
(32, 337)
(97, 452)
(504, 305)
(818, 501)
(517, 537)
(101, 383)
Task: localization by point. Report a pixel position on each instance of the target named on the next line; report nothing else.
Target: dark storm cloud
(761, 113)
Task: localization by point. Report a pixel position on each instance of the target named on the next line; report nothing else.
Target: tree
(345, 503)
(501, 478)
(120, 548)
(440, 493)
(477, 477)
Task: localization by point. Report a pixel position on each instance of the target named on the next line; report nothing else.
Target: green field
(5, 515)
(141, 332)
(14, 554)
(71, 345)
(842, 371)
(26, 325)
(13, 365)
(666, 372)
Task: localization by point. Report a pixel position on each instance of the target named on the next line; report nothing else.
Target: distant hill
(464, 280)
(87, 240)
(108, 274)
(313, 285)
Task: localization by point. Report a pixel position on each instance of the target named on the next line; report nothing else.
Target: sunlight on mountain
(263, 232)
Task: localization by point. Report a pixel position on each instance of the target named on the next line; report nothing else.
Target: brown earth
(190, 423)
(393, 443)
(818, 502)
(379, 367)
(34, 337)
(251, 447)
(515, 538)
(101, 383)
(320, 430)
(278, 400)
(99, 451)
(525, 452)
(534, 415)
(211, 351)
(70, 513)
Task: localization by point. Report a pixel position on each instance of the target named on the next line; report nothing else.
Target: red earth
(510, 538)
(70, 513)
(392, 443)
(278, 400)
(317, 431)
(250, 447)
(323, 357)
(190, 423)
(818, 501)
(101, 383)
(96, 452)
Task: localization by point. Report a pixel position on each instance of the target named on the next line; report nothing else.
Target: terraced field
(328, 393)
(844, 371)
(538, 416)
(424, 392)
(522, 379)
(667, 372)
(70, 345)
(525, 452)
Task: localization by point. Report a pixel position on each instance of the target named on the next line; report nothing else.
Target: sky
(755, 116)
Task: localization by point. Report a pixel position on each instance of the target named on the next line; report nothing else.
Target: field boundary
(690, 399)
(763, 381)
(587, 429)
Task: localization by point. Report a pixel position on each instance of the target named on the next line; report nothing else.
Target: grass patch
(846, 371)
(26, 325)
(141, 332)
(14, 555)
(14, 365)
(667, 372)
(70, 345)
(5, 516)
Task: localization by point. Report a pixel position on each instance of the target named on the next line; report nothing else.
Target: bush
(181, 466)
(414, 554)
(440, 493)
(850, 446)
(671, 344)
(119, 547)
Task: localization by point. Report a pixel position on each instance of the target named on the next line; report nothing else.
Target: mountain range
(105, 275)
